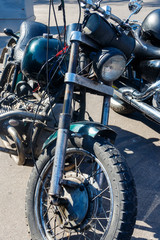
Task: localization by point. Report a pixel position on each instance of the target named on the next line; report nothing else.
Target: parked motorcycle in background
(139, 86)
(13, 52)
(21, 96)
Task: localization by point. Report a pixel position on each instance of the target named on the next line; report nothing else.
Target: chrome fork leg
(104, 121)
(63, 128)
(105, 110)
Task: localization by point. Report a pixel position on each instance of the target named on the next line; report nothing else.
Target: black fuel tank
(105, 34)
(150, 70)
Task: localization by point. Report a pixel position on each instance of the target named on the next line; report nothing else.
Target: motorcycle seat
(28, 30)
(144, 50)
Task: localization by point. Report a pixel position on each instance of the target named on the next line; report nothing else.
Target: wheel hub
(79, 209)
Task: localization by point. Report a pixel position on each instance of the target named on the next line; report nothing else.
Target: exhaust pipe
(19, 145)
(133, 97)
(141, 95)
(19, 154)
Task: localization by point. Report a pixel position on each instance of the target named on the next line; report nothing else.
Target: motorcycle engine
(32, 103)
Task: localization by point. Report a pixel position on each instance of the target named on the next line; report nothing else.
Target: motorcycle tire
(120, 106)
(7, 75)
(104, 205)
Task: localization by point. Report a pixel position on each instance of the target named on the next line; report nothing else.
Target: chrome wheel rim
(95, 222)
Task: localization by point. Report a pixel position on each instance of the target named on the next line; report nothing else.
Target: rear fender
(81, 129)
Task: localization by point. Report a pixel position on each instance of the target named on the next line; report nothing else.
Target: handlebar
(105, 12)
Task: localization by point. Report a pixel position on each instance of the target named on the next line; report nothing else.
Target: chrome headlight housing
(109, 64)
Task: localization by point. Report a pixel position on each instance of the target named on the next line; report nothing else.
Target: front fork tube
(104, 121)
(105, 110)
(63, 128)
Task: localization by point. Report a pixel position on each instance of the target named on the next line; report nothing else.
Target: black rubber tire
(7, 75)
(124, 193)
(121, 107)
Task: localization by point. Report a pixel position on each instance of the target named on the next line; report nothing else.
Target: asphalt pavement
(138, 140)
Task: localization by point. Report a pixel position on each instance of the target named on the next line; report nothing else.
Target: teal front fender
(85, 128)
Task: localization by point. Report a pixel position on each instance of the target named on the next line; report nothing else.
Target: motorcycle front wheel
(98, 188)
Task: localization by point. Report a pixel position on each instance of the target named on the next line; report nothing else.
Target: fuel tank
(34, 62)
(106, 35)
(150, 70)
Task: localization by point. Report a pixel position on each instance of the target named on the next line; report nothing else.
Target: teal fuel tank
(38, 51)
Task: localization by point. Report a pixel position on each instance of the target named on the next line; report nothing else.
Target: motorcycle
(22, 95)
(139, 86)
(12, 54)
(81, 186)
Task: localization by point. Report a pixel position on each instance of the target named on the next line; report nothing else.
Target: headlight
(109, 64)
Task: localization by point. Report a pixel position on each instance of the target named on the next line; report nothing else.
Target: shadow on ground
(142, 156)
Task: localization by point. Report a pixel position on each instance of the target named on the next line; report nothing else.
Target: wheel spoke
(81, 161)
(100, 224)
(86, 237)
(55, 235)
(94, 230)
(49, 220)
(100, 193)
(55, 227)
(47, 210)
(95, 174)
(69, 235)
(106, 198)
(105, 213)
(76, 168)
